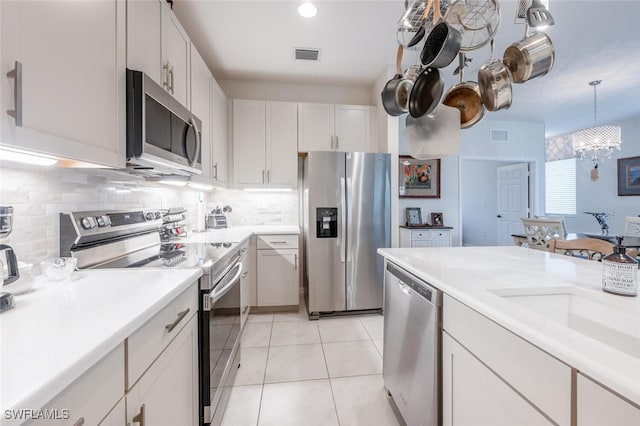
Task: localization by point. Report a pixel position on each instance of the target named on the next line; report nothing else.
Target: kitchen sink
(597, 315)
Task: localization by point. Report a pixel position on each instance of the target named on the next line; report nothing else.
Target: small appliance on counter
(217, 219)
(173, 225)
(6, 221)
(9, 271)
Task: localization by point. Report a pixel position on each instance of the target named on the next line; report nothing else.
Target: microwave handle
(193, 124)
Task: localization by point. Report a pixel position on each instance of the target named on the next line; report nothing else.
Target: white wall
(602, 195)
(296, 92)
(479, 201)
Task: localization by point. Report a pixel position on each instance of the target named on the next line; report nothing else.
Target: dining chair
(540, 231)
(591, 248)
(632, 226)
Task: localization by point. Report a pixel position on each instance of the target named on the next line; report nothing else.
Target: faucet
(602, 220)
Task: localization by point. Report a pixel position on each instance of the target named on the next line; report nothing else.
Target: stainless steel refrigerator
(346, 212)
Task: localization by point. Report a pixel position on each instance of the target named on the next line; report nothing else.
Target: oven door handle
(218, 294)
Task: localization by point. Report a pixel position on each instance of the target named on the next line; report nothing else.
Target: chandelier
(597, 141)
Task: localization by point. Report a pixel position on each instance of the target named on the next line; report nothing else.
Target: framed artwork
(414, 216)
(437, 220)
(629, 176)
(418, 178)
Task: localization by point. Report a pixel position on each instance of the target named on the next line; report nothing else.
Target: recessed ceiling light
(307, 10)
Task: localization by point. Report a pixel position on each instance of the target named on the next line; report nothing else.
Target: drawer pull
(173, 325)
(278, 242)
(139, 418)
(80, 422)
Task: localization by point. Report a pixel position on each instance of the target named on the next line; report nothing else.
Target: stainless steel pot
(395, 95)
(530, 58)
(465, 96)
(494, 79)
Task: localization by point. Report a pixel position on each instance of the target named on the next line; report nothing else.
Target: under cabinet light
(26, 158)
(200, 186)
(267, 189)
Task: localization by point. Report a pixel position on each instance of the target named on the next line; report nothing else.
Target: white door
(513, 200)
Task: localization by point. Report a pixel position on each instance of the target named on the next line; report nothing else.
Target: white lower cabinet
(91, 397)
(596, 406)
(493, 377)
(245, 282)
(117, 416)
(277, 267)
(474, 395)
(167, 393)
(162, 364)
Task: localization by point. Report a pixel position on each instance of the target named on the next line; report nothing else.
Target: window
(560, 186)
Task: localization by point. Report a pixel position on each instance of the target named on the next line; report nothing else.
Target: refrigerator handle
(349, 219)
(343, 219)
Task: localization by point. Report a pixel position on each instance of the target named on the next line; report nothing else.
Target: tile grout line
(264, 376)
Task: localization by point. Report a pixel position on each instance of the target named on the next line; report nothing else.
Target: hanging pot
(495, 84)
(465, 96)
(530, 58)
(442, 44)
(395, 95)
(426, 93)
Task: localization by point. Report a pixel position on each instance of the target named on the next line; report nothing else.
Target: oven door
(224, 342)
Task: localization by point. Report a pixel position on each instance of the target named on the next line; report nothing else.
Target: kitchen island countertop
(58, 330)
(472, 274)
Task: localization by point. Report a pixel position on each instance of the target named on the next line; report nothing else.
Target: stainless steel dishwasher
(412, 346)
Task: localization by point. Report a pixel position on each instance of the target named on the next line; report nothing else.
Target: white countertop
(237, 234)
(468, 273)
(58, 330)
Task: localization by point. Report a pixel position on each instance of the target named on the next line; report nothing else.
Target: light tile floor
(300, 372)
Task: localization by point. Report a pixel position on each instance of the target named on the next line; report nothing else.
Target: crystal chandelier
(597, 141)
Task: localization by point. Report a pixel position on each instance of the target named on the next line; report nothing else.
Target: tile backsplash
(38, 195)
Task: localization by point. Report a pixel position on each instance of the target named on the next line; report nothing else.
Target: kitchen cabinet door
(144, 38)
(167, 393)
(597, 406)
(249, 147)
(201, 80)
(117, 416)
(315, 127)
(72, 79)
(473, 395)
(219, 137)
(352, 128)
(277, 277)
(176, 46)
(282, 142)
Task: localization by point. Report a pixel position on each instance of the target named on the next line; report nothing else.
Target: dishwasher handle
(409, 283)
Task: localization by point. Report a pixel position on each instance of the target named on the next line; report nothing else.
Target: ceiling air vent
(307, 54)
(499, 135)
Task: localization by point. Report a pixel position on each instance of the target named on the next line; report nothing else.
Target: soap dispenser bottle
(620, 272)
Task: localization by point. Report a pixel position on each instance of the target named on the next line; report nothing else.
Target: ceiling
(254, 40)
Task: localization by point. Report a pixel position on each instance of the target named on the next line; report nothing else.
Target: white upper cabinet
(328, 127)
(201, 80)
(68, 86)
(158, 45)
(264, 144)
(218, 135)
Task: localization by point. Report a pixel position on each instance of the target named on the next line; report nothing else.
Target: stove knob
(149, 216)
(158, 215)
(101, 222)
(88, 222)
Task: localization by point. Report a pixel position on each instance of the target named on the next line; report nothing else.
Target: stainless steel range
(131, 239)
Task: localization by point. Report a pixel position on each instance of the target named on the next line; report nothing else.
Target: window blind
(560, 186)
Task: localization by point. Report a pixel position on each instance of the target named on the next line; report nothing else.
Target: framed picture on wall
(418, 178)
(629, 176)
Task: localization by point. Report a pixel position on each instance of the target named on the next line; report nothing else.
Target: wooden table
(634, 242)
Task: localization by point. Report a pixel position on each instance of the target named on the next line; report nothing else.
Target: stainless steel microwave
(163, 136)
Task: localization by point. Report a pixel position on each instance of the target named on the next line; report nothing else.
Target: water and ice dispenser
(327, 222)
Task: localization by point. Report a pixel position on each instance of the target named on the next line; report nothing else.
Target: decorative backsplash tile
(38, 195)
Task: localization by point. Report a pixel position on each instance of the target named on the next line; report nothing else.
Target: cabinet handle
(295, 260)
(278, 242)
(173, 325)
(337, 143)
(215, 171)
(165, 83)
(263, 176)
(332, 141)
(171, 76)
(16, 74)
(139, 418)
(80, 422)
(268, 176)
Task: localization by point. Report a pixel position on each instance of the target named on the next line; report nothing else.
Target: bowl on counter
(24, 282)
(59, 268)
